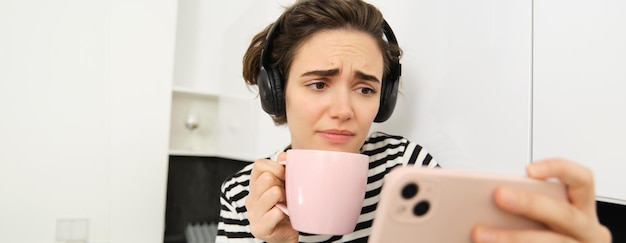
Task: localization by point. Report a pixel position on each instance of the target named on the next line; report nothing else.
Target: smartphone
(442, 205)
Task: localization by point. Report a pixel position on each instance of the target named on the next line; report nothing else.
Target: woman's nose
(341, 106)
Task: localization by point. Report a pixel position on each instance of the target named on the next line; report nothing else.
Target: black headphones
(271, 84)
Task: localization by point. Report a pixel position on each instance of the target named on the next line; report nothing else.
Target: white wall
(55, 99)
(579, 84)
(466, 90)
(142, 60)
(84, 96)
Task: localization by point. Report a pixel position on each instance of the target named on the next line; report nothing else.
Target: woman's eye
(366, 91)
(317, 85)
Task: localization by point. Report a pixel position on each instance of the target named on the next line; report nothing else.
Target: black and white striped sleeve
(233, 225)
(416, 155)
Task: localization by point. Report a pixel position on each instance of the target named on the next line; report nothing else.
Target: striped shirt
(385, 152)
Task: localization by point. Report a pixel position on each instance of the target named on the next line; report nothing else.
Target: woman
(329, 69)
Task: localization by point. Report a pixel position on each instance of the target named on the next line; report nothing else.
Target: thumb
(281, 157)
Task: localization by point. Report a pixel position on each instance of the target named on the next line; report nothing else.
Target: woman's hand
(267, 188)
(573, 221)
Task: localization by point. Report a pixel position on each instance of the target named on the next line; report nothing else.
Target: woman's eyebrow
(322, 73)
(332, 72)
(366, 77)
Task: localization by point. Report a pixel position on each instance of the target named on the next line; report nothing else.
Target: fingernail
(485, 235)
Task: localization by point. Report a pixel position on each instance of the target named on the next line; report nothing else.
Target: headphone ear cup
(265, 91)
(278, 92)
(389, 87)
(388, 95)
(271, 92)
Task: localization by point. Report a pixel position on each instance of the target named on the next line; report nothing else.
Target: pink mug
(325, 190)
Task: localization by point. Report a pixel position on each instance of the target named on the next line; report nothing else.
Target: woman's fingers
(577, 179)
(267, 188)
(267, 221)
(266, 165)
(558, 215)
(484, 234)
(567, 221)
(259, 168)
(275, 225)
(270, 198)
(281, 157)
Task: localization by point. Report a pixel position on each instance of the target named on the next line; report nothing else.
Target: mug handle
(283, 206)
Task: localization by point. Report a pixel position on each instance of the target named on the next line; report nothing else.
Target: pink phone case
(445, 205)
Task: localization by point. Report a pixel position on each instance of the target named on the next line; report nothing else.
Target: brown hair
(308, 17)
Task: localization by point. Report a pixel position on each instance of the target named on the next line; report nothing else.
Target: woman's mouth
(336, 136)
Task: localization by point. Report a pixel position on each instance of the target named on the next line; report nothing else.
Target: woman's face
(333, 90)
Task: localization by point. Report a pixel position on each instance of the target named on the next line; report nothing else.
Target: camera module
(421, 208)
(409, 191)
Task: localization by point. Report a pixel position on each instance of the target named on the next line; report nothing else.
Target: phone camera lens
(421, 208)
(409, 191)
